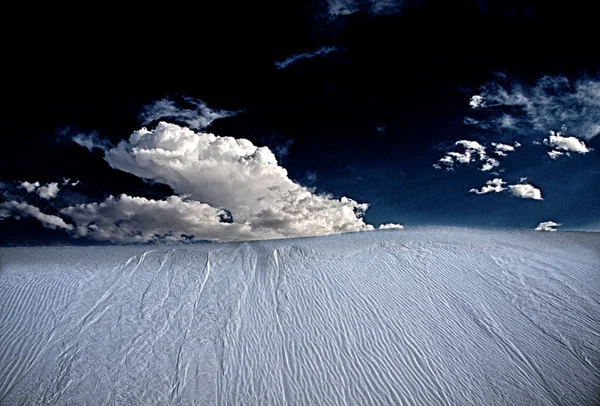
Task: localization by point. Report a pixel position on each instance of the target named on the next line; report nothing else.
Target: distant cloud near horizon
(227, 189)
(306, 55)
(547, 226)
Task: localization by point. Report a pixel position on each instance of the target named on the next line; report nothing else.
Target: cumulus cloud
(390, 226)
(494, 185)
(306, 55)
(30, 187)
(234, 174)
(137, 219)
(47, 191)
(525, 191)
(551, 102)
(476, 101)
(473, 152)
(19, 209)
(188, 111)
(503, 149)
(547, 226)
(566, 144)
(522, 190)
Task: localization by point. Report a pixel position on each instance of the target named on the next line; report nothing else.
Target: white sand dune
(414, 317)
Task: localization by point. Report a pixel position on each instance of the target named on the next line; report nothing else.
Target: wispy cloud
(90, 141)
(339, 8)
(549, 104)
(191, 112)
(306, 55)
(20, 209)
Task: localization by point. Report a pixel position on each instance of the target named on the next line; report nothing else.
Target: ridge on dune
(422, 316)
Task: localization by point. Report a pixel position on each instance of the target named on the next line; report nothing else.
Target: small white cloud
(194, 113)
(390, 226)
(569, 144)
(48, 191)
(16, 209)
(555, 154)
(306, 55)
(473, 152)
(489, 164)
(525, 191)
(30, 187)
(477, 102)
(494, 185)
(503, 147)
(547, 226)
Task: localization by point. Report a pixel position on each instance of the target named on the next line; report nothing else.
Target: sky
(244, 121)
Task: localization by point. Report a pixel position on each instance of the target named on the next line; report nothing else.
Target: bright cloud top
(522, 190)
(552, 102)
(474, 152)
(547, 226)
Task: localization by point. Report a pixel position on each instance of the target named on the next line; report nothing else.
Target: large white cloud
(224, 172)
(17, 209)
(525, 191)
(550, 103)
(547, 226)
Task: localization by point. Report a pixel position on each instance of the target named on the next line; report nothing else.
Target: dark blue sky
(354, 98)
